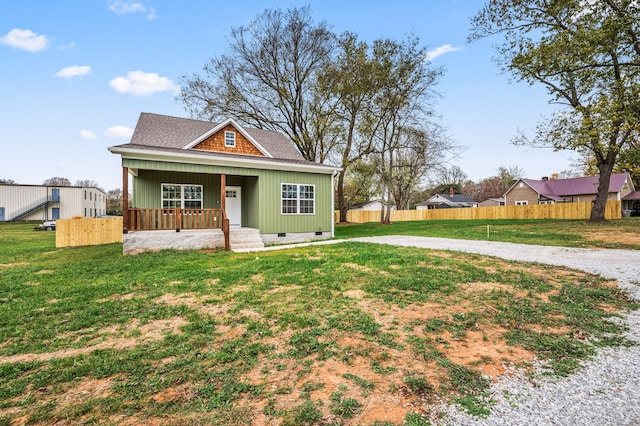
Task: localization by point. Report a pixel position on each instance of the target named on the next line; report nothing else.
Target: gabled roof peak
(219, 127)
(164, 131)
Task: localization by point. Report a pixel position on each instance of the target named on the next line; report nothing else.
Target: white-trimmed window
(298, 199)
(230, 139)
(181, 196)
(522, 203)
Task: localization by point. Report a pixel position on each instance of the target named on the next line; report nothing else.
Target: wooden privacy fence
(532, 211)
(88, 231)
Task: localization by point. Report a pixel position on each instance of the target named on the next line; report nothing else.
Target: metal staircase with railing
(30, 209)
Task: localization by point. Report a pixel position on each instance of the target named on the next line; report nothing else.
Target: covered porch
(177, 219)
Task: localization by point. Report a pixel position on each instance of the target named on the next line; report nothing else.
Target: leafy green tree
(587, 55)
(348, 81)
(360, 184)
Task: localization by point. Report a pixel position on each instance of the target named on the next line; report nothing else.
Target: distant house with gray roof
(447, 201)
(220, 184)
(545, 191)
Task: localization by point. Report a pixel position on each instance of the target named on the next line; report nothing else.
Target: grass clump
(344, 407)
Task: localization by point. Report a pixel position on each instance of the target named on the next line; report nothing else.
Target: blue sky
(76, 74)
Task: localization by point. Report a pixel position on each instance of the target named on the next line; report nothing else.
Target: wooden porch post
(223, 193)
(223, 207)
(125, 200)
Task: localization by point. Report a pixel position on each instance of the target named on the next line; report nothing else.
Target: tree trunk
(387, 217)
(600, 203)
(387, 199)
(342, 205)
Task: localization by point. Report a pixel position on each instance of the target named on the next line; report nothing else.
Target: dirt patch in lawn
(613, 237)
(144, 332)
(13, 265)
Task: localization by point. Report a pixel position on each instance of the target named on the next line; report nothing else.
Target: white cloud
(74, 71)
(25, 40)
(142, 83)
(87, 135)
(122, 132)
(439, 51)
(124, 8)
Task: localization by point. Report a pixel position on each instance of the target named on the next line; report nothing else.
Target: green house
(198, 184)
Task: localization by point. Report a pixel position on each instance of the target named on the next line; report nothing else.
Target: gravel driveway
(605, 392)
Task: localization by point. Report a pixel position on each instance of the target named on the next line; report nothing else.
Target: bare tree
(268, 80)
(8, 181)
(87, 183)
(452, 176)
(57, 181)
(419, 151)
(402, 104)
(114, 201)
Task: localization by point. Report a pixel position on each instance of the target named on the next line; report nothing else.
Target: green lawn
(618, 234)
(334, 334)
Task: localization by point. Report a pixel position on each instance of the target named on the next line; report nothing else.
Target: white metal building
(38, 202)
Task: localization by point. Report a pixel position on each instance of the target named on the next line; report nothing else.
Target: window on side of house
(307, 199)
(230, 139)
(522, 203)
(181, 196)
(297, 199)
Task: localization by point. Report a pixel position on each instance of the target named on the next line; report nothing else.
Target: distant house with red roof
(545, 191)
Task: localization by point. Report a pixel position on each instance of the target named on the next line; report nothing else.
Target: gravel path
(605, 392)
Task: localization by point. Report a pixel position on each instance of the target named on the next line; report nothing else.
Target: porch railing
(174, 219)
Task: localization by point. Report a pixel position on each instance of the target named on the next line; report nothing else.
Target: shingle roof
(556, 189)
(163, 131)
(635, 195)
(458, 198)
(455, 198)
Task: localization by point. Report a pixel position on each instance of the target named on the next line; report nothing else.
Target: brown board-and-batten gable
(220, 142)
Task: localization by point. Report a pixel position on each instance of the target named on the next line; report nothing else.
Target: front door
(55, 213)
(234, 205)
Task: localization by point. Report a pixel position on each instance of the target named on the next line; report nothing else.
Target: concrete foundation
(190, 239)
(198, 239)
(294, 237)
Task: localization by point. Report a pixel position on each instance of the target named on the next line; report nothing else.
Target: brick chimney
(451, 192)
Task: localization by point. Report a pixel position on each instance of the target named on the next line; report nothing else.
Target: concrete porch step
(245, 238)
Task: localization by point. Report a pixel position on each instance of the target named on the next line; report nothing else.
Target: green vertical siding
(251, 202)
(273, 221)
(147, 187)
(261, 192)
